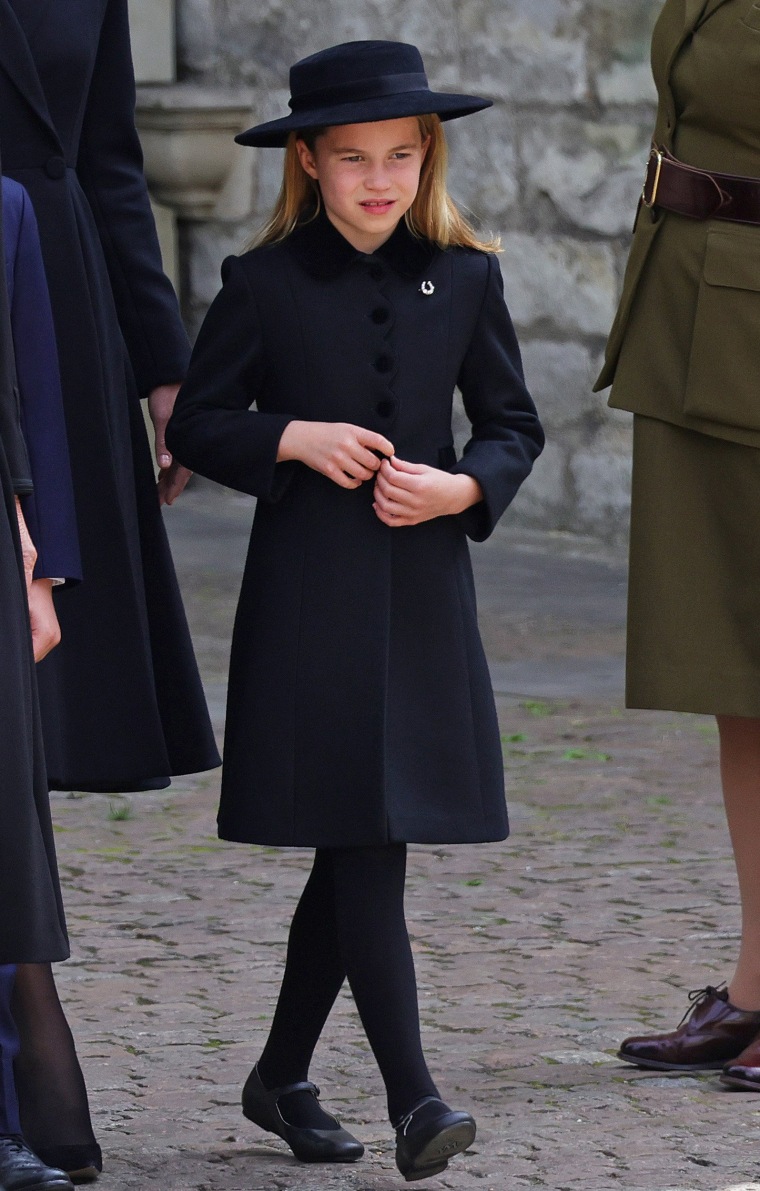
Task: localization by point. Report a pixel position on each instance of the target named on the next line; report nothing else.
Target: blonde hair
(432, 216)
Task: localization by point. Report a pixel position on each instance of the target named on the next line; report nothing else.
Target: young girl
(360, 713)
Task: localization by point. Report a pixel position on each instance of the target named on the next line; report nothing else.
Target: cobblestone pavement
(614, 896)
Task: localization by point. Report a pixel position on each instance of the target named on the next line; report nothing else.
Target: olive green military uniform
(684, 356)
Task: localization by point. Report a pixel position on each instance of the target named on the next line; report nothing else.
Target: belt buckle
(655, 156)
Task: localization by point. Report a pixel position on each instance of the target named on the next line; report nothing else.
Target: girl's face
(368, 175)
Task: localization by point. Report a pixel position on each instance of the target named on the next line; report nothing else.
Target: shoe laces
(698, 996)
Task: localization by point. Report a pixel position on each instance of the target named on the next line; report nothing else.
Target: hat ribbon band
(360, 89)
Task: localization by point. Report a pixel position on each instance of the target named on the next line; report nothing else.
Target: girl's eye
(355, 157)
(401, 156)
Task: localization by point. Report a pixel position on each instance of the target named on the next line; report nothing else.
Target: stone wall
(555, 168)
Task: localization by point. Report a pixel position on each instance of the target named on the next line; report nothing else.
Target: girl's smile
(368, 176)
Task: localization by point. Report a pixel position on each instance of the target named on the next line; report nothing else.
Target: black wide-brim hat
(357, 83)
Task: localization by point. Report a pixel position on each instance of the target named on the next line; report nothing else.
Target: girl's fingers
(396, 496)
(391, 519)
(407, 476)
(388, 505)
(401, 465)
(374, 441)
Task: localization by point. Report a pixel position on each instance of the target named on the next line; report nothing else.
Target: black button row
(386, 409)
(380, 314)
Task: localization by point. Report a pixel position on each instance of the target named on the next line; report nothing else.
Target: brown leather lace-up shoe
(711, 1033)
(744, 1072)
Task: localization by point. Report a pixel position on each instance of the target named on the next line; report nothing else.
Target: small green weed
(584, 755)
(119, 812)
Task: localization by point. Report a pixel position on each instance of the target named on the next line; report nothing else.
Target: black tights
(49, 1081)
(350, 923)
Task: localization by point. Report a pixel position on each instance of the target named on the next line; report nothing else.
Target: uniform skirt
(694, 586)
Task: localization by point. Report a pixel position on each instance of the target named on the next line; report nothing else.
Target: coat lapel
(17, 62)
(30, 15)
(708, 9)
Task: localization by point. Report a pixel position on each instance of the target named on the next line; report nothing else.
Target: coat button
(383, 363)
(380, 314)
(55, 167)
(376, 272)
(386, 409)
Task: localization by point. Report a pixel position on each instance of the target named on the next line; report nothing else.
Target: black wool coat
(360, 709)
(121, 699)
(32, 927)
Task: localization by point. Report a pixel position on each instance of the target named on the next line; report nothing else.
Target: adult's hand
(28, 550)
(410, 493)
(342, 452)
(172, 476)
(46, 632)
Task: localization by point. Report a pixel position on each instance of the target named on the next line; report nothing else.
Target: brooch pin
(427, 288)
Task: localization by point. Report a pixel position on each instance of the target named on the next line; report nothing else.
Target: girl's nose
(378, 179)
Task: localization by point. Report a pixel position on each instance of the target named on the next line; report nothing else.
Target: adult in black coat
(121, 699)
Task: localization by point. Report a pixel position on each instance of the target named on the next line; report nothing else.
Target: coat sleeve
(213, 430)
(11, 438)
(506, 435)
(49, 511)
(110, 168)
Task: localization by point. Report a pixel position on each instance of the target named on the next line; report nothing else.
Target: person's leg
(374, 942)
(740, 774)
(314, 973)
(55, 1113)
(9, 1044)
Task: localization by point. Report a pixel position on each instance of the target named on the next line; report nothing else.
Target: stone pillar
(152, 25)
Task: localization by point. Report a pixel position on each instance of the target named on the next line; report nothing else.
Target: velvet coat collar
(324, 253)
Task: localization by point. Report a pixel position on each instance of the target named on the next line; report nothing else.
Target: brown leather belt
(673, 186)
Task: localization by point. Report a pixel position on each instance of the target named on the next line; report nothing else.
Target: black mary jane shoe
(428, 1136)
(308, 1145)
(82, 1163)
(22, 1170)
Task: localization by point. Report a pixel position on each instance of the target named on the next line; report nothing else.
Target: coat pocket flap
(733, 258)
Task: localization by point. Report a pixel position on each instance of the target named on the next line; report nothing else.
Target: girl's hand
(340, 451)
(410, 493)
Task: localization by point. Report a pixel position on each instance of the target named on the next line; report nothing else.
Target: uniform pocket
(752, 18)
(723, 384)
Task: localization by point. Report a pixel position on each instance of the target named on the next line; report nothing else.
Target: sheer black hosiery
(51, 1090)
(350, 923)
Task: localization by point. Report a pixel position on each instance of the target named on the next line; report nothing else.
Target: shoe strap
(404, 1123)
(288, 1088)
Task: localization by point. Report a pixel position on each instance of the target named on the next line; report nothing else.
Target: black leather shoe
(82, 1163)
(21, 1170)
(428, 1136)
(308, 1145)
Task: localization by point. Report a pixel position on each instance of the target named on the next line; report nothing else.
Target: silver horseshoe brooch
(427, 288)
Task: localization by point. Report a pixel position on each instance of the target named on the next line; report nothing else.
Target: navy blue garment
(49, 511)
(9, 1046)
(34, 930)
